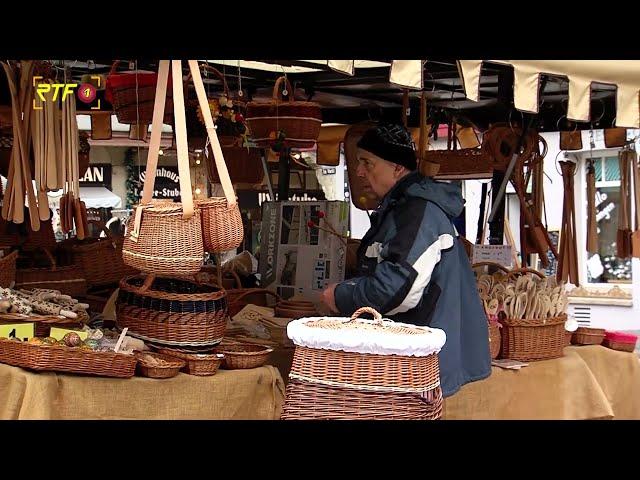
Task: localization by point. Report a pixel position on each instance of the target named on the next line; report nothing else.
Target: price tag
(492, 253)
(59, 333)
(23, 331)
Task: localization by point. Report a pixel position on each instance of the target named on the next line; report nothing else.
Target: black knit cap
(392, 142)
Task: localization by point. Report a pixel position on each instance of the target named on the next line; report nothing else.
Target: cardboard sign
(493, 253)
(23, 331)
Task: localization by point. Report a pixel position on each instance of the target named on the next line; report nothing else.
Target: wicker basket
(66, 359)
(8, 269)
(165, 367)
(244, 163)
(331, 383)
(529, 340)
(222, 228)
(101, 260)
(625, 342)
(167, 243)
(243, 355)
(172, 311)
(588, 336)
(199, 364)
(132, 95)
(69, 280)
(567, 338)
(495, 339)
(300, 121)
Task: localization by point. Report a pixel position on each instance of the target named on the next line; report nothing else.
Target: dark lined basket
(66, 359)
(171, 311)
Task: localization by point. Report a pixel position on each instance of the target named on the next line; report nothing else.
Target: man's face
(379, 174)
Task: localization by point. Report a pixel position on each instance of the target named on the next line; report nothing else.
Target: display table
(589, 382)
(253, 394)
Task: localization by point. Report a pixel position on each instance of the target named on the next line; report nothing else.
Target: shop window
(606, 266)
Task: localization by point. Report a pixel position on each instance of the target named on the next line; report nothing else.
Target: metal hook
(569, 122)
(596, 123)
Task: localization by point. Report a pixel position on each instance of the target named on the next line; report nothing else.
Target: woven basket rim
(172, 362)
(200, 357)
(526, 322)
(241, 350)
(218, 294)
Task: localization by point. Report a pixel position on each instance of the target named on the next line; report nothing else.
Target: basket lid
(621, 337)
(378, 336)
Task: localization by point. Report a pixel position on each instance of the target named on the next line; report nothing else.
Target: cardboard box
(296, 259)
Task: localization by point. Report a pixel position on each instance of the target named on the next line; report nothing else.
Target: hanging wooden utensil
(592, 227)
(635, 236)
(623, 236)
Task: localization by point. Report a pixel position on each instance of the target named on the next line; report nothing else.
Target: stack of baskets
(363, 369)
(171, 311)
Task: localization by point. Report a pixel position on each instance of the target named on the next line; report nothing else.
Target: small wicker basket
(243, 355)
(199, 364)
(588, 336)
(157, 365)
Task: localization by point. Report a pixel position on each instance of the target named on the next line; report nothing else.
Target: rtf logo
(86, 93)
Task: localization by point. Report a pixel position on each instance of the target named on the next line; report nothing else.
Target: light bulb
(198, 191)
(161, 152)
(197, 162)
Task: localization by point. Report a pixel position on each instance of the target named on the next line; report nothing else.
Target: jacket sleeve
(404, 270)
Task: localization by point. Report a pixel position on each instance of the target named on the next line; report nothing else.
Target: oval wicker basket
(200, 364)
(171, 311)
(164, 366)
(588, 336)
(243, 355)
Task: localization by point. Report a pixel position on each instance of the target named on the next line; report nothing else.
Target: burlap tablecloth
(230, 394)
(589, 382)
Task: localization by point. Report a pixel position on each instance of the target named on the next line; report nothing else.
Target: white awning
(93, 197)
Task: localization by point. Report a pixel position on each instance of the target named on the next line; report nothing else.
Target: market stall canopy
(624, 74)
(93, 197)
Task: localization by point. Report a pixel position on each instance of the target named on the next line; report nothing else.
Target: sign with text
(501, 254)
(97, 175)
(167, 184)
(23, 331)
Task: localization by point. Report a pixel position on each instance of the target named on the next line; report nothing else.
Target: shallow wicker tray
(200, 364)
(170, 369)
(621, 346)
(243, 355)
(66, 359)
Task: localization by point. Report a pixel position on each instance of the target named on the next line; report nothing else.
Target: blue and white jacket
(414, 269)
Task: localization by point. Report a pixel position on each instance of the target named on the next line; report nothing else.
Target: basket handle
(251, 291)
(523, 271)
(147, 283)
(223, 173)
(377, 317)
(181, 138)
(215, 71)
(235, 277)
(491, 264)
(276, 88)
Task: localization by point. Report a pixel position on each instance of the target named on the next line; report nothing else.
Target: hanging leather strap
(221, 166)
(156, 132)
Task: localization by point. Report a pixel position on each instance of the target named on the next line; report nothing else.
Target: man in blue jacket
(413, 267)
